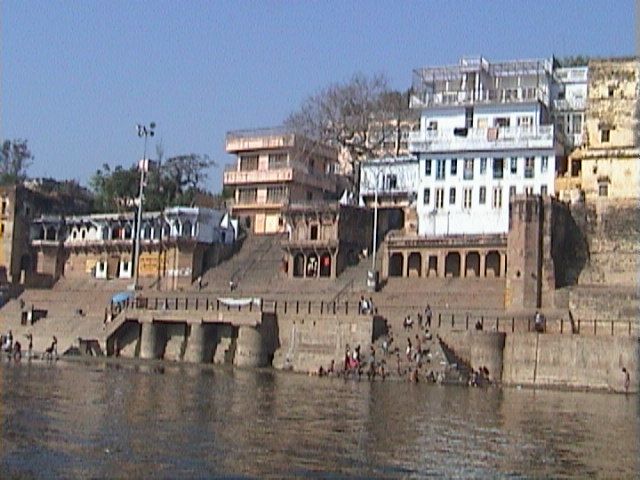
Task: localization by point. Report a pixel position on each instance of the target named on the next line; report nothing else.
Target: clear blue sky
(78, 75)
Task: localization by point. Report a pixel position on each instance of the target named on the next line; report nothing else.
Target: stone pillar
(334, 264)
(195, 351)
(405, 264)
(503, 265)
(442, 257)
(148, 341)
(463, 264)
(483, 264)
(250, 349)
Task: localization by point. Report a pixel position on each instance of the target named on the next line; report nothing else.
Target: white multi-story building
(569, 103)
(486, 133)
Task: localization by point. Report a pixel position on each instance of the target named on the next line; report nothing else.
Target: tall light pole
(372, 275)
(146, 132)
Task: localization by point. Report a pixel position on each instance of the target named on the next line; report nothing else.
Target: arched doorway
(414, 265)
(452, 265)
(395, 265)
(472, 262)
(298, 265)
(492, 264)
(325, 265)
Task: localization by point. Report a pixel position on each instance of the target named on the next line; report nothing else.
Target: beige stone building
(610, 158)
(325, 238)
(275, 167)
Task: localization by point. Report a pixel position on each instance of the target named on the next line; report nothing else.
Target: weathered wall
(310, 341)
(577, 361)
(605, 303)
(613, 234)
(478, 349)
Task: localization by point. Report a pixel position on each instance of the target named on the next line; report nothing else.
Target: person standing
(627, 380)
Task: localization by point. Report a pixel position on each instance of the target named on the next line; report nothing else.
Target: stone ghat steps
(258, 260)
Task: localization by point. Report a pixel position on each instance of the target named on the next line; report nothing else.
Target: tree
(15, 158)
(358, 116)
(173, 182)
(115, 190)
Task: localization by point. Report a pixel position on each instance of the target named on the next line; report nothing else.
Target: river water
(159, 420)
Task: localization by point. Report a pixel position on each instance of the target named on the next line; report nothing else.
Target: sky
(77, 76)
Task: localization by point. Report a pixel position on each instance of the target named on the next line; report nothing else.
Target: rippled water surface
(129, 420)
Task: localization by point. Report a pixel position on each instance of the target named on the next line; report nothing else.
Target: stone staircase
(74, 309)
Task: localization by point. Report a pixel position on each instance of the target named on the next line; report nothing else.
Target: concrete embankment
(551, 360)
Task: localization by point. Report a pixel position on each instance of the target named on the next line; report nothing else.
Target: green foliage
(175, 182)
(115, 190)
(15, 157)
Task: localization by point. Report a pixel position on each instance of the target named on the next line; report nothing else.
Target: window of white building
(390, 181)
(427, 168)
(483, 166)
(467, 198)
(543, 190)
(514, 165)
(427, 196)
(440, 169)
(498, 168)
(528, 190)
(439, 197)
(468, 169)
(529, 166)
(483, 196)
(605, 135)
(512, 192)
(454, 166)
(452, 196)
(544, 164)
(496, 200)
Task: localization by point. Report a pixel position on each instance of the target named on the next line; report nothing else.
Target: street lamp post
(372, 275)
(146, 132)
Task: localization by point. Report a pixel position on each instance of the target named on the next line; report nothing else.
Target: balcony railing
(569, 104)
(463, 97)
(541, 136)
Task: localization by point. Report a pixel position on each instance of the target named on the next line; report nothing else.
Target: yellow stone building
(610, 158)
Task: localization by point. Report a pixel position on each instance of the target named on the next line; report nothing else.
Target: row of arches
(474, 263)
(312, 265)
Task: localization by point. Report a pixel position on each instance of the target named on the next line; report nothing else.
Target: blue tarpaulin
(121, 297)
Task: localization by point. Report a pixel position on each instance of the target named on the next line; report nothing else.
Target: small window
(543, 190)
(314, 232)
(427, 196)
(497, 197)
(483, 196)
(512, 192)
(483, 165)
(4, 207)
(467, 173)
(454, 166)
(440, 169)
(611, 91)
(529, 167)
(439, 197)
(603, 190)
(498, 168)
(467, 198)
(427, 168)
(309, 196)
(528, 190)
(514, 165)
(605, 135)
(544, 165)
(452, 196)
(432, 125)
